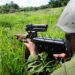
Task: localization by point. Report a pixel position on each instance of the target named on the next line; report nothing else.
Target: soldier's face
(71, 39)
(73, 42)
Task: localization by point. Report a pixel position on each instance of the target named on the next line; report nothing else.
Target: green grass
(12, 59)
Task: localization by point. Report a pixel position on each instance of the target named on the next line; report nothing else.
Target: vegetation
(12, 61)
(58, 3)
(9, 7)
(12, 7)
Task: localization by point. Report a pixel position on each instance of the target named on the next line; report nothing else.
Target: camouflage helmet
(66, 21)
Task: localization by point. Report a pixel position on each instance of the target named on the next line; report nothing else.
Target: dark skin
(73, 42)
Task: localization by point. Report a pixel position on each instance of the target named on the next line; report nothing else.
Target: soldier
(67, 23)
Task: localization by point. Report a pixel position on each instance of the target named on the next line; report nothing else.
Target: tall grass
(12, 61)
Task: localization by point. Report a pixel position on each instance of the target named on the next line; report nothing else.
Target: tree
(64, 2)
(57, 3)
(9, 7)
(13, 5)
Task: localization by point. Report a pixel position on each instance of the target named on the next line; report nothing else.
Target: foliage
(51, 4)
(58, 3)
(9, 7)
(12, 61)
(12, 7)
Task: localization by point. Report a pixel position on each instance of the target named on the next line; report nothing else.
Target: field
(12, 59)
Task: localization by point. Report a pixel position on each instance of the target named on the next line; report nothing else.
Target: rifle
(49, 45)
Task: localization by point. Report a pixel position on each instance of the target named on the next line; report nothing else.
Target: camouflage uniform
(68, 68)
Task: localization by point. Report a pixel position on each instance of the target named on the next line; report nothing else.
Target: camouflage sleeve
(32, 61)
(33, 58)
(35, 64)
(60, 71)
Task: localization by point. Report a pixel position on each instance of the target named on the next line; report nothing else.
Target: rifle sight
(36, 27)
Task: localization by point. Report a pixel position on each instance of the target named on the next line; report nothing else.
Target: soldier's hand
(27, 42)
(31, 46)
(62, 55)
